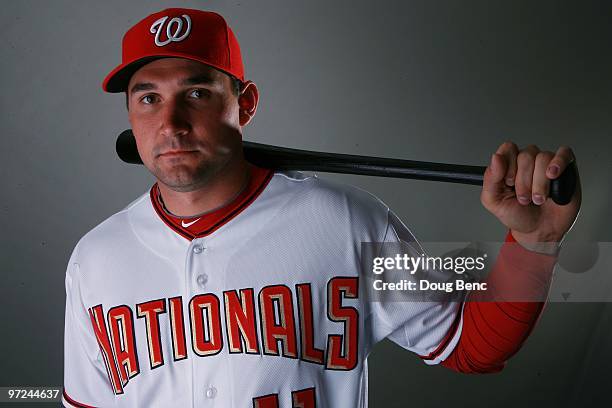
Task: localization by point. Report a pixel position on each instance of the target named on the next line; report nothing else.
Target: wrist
(544, 243)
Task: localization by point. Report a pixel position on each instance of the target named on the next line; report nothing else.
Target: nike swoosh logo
(188, 224)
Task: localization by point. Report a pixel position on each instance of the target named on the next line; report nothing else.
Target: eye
(197, 93)
(148, 99)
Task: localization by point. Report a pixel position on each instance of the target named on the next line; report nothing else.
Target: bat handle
(563, 187)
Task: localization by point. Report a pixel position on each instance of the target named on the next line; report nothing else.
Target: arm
(86, 382)
(515, 190)
(494, 331)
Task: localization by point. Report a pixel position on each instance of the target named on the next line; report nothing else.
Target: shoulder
(330, 201)
(112, 233)
(317, 188)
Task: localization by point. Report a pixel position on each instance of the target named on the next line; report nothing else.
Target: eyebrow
(142, 86)
(200, 79)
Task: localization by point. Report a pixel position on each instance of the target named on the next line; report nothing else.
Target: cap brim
(118, 79)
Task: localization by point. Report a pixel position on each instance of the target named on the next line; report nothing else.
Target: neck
(216, 193)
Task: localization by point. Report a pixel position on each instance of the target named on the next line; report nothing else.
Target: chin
(182, 177)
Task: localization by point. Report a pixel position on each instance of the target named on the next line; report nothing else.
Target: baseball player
(231, 285)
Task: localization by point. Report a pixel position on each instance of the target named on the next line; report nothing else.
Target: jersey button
(198, 249)
(202, 279)
(211, 392)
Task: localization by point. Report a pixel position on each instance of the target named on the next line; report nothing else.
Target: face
(186, 121)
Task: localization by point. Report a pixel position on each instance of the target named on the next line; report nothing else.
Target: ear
(247, 102)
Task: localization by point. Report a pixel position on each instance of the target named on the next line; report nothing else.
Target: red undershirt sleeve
(493, 331)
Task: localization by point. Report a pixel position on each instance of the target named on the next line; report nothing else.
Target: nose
(174, 119)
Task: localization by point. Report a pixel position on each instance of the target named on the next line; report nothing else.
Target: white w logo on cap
(176, 36)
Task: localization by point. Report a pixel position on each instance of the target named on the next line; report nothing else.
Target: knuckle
(545, 156)
(526, 192)
(522, 184)
(539, 187)
(509, 145)
(525, 156)
(567, 152)
(485, 201)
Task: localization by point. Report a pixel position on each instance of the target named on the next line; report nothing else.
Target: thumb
(493, 185)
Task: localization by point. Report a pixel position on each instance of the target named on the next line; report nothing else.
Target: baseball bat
(283, 158)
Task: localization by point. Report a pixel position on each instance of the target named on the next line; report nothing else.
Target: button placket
(198, 276)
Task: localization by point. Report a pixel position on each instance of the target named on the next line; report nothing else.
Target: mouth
(177, 153)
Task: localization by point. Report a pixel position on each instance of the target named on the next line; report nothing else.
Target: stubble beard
(184, 178)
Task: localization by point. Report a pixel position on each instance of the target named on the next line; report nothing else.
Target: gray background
(430, 80)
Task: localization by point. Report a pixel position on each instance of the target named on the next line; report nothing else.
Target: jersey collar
(205, 224)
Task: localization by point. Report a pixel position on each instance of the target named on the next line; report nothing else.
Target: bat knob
(126, 147)
(563, 187)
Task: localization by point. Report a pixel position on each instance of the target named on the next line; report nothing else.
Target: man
(233, 285)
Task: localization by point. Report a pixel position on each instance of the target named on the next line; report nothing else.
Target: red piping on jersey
(210, 222)
(449, 336)
(75, 403)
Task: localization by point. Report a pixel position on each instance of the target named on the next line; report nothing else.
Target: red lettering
(151, 311)
(99, 326)
(240, 321)
(205, 332)
(309, 351)
(266, 401)
(282, 330)
(304, 398)
(342, 349)
(122, 332)
(177, 328)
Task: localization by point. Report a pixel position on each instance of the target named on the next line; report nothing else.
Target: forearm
(495, 325)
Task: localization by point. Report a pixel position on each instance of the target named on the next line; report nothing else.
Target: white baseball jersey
(264, 306)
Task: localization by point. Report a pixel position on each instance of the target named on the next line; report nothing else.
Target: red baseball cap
(197, 35)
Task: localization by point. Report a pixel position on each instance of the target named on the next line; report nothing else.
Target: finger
(525, 162)
(540, 183)
(493, 182)
(509, 150)
(563, 157)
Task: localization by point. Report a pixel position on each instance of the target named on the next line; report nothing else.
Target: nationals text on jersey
(280, 327)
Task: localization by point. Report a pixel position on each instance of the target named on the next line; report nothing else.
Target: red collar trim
(196, 227)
